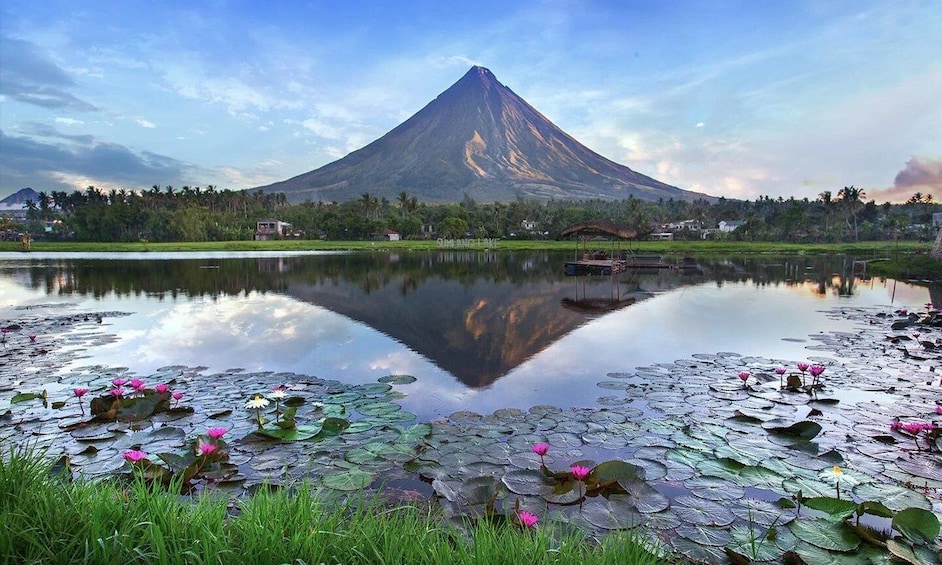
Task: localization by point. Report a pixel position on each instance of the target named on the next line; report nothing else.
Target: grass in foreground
(45, 519)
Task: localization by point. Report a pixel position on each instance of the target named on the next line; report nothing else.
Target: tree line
(211, 214)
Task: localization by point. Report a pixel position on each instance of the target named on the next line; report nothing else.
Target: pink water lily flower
(780, 370)
(580, 471)
(161, 388)
(117, 392)
(136, 383)
(32, 337)
(134, 455)
(913, 428)
(540, 449)
(803, 367)
(816, 370)
(527, 519)
(206, 449)
(80, 392)
(118, 382)
(216, 433)
(744, 376)
(938, 410)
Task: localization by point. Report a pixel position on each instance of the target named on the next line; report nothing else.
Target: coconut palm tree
(852, 201)
(370, 205)
(827, 208)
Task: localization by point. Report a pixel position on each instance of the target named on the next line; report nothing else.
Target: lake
(434, 374)
(479, 330)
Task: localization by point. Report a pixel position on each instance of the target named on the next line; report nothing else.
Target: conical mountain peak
(477, 138)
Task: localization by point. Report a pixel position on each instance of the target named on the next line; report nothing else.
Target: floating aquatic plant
(257, 403)
(836, 476)
(744, 376)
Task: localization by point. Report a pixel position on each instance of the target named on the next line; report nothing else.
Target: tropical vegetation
(210, 214)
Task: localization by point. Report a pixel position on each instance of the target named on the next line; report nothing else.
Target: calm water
(479, 330)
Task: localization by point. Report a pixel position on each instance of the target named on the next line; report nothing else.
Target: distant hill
(18, 199)
(477, 138)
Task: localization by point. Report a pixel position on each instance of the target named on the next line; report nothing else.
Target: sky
(741, 99)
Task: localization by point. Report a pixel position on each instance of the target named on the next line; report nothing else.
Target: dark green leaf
(917, 524)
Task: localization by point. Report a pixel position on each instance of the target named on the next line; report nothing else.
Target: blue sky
(736, 99)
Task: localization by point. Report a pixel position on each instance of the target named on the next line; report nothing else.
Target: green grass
(47, 519)
(907, 267)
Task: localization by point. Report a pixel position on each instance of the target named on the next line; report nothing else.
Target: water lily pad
(724, 468)
(372, 389)
(653, 470)
(804, 430)
(834, 509)
(762, 512)
(917, 524)
(701, 511)
(400, 416)
(92, 433)
(698, 553)
(645, 498)
(360, 426)
(834, 536)
(714, 488)
(689, 457)
(378, 408)
(813, 554)
(342, 398)
(894, 497)
(606, 440)
(298, 433)
(349, 480)
(528, 482)
(704, 535)
(754, 543)
(397, 379)
(926, 467)
(26, 397)
(413, 434)
(612, 514)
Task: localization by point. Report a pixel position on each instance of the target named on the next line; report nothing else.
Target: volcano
(478, 139)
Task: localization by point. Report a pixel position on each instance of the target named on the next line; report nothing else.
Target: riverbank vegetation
(45, 517)
(194, 214)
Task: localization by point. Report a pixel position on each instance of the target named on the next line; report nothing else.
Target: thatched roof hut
(600, 228)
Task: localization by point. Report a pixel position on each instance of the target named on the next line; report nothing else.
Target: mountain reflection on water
(477, 315)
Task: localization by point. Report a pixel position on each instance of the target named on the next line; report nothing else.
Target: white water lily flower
(257, 403)
(837, 477)
(278, 394)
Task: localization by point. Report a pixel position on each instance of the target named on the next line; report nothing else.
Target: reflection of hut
(598, 261)
(596, 305)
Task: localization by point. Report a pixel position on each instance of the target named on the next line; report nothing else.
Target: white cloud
(69, 121)
(145, 123)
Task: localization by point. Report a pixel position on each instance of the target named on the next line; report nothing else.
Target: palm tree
(827, 208)
(44, 211)
(370, 205)
(852, 201)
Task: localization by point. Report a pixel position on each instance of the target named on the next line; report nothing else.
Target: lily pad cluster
(344, 436)
(711, 465)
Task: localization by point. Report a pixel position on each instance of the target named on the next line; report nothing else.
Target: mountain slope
(18, 199)
(477, 138)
